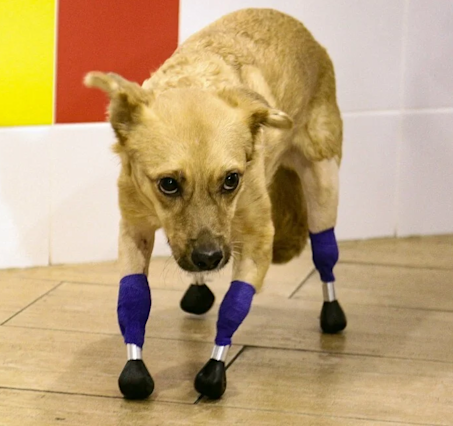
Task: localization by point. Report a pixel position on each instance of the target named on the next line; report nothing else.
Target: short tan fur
(250, 96)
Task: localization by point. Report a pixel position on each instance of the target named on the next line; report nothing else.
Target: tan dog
(232, 146)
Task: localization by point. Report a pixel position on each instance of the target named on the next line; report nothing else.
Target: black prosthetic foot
(333, 318)
(198, 299)
(135, 382)
(211, 380)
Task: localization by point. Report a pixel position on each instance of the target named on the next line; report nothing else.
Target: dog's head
(187, 151)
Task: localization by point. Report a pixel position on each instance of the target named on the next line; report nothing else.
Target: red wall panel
(131, 38)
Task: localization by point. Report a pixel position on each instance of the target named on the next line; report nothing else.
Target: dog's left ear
(257, 112)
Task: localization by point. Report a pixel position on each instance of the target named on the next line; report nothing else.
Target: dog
(232, 146)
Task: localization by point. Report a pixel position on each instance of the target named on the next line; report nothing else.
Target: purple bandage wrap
(134, 306)
(325, 253)
(234, 308)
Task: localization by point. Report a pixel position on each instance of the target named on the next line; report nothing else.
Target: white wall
(393, 62)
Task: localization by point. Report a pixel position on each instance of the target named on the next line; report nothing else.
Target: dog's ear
(257, 112)
(127, 100)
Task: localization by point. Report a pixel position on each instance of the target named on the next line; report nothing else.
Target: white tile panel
(85, 214)
(24, 196)
(368, 176)
(428, 70)
(161, 247)
(426, 174)
(364, 39)
(84, 210)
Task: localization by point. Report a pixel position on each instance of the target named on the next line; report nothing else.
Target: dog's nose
(206, 259)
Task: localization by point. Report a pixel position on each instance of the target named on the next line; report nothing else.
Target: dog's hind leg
(320, 146)
(251, 263)
(289, 215)
(134, 306)
(198, 298)
(320, 182)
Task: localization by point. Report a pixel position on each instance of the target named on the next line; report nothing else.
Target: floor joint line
(32, 303)
(309, 275)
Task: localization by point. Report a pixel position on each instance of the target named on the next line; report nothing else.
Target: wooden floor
(61, 351)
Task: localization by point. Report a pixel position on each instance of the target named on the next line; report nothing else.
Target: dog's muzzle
(205, 253)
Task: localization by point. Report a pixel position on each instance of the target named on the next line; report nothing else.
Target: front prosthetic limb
(134, 306)
(252, 257)
(325, 256)
(211, 380)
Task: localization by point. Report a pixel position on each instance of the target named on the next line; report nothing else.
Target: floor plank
(372, 330)
(386, 286)
(25, 408)
(70, 362)
(96, 273)
(347, 386)
(164, 274)
(426, 252)
(273, 322)
(92, 308)
(17, 293)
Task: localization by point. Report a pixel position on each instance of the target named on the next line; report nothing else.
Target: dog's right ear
(127, 100)
(256, 111)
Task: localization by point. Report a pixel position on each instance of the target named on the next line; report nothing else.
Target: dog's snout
(206, 259)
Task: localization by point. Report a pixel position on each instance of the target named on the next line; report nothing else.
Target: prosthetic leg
(198, 298)
(251, 262)
(325, 256)
(211, 380)
(320, 183)
(134, 306)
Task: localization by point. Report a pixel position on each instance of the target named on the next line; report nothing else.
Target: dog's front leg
(320, 184)
(252, 257)
(134, 305)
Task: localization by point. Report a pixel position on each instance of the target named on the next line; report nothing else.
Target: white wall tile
(368, 176)
(84, 211)
(428, 67)
(426, 175)
(24, 196)
(364, 39)
(84, 207)
(161, 247)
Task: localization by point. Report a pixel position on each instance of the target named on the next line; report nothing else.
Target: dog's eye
(231, 182)
(169, 186)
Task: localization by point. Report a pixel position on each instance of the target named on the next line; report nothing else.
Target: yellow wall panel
(27, 40)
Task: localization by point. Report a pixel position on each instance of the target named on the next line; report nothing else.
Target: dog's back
(283, 50)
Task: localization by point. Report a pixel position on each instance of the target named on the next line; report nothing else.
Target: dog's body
(233, 147)
(213, 108)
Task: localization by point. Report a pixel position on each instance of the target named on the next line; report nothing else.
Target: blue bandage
(234, 308)
(325, 253)
(134, 306)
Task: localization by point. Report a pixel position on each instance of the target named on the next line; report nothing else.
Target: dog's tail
(289, 214)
